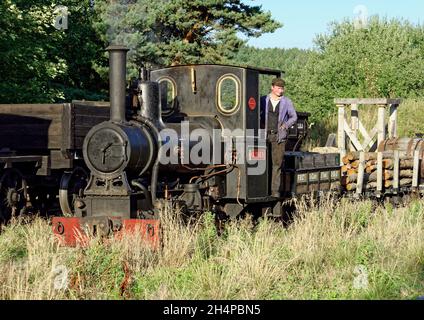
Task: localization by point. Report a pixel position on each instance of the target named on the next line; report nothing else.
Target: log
(353, 156)
(402, 183)
(372, 177)
(352, 172)
(355, 164)
(354, 177)
(389, 165)
(346, 167)
(347, 158)
(371, 163)
(368, 186)
(389, 174)
(373, 185)
(406, 163)
(370, 169)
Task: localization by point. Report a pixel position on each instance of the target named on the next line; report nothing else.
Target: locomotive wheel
(13, 194)
(71, 186)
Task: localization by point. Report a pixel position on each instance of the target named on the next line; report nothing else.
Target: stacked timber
(351, 167)
(408, 146)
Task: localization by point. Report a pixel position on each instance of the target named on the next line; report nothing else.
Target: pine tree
(163, 32)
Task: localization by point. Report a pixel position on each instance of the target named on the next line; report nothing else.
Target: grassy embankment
(342, 250)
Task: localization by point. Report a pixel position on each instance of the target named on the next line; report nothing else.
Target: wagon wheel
(13, 194)
(72, 185)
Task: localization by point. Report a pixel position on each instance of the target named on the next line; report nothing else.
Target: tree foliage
(290, 61)
(43, 64)
(40, 63)
(384, 59)
(163, 32)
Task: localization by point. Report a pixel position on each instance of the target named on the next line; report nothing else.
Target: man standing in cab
(277, 116)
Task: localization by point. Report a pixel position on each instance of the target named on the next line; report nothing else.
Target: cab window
(228, 94)
(168, 94)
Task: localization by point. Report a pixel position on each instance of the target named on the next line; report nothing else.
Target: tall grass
(317, 257)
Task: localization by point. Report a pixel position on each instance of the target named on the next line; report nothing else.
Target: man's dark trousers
(277, 157)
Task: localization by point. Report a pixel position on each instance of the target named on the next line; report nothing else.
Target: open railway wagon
(41, 152)
(382, 165)
(393, 171)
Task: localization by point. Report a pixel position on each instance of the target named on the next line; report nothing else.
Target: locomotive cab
(224, 99)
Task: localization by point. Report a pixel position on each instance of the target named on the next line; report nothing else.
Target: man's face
(278, 91)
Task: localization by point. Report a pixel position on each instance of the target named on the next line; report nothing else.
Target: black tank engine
(168, 114)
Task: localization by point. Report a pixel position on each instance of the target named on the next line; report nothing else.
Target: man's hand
(283, 126)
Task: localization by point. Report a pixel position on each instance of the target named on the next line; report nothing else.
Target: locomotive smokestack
(117, 77)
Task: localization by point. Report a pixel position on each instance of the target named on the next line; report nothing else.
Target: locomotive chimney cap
(117, 47)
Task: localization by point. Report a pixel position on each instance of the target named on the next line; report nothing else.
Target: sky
(303, 19)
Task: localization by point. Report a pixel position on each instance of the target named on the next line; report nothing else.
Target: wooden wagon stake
(361, 168)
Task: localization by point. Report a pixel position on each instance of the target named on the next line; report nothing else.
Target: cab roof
(265, 71)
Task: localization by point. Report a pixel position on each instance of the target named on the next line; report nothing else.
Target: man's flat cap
(278, 82)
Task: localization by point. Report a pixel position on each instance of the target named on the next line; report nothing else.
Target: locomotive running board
(73, 231)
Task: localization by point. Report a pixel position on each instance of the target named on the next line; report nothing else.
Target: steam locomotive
(187, 137)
